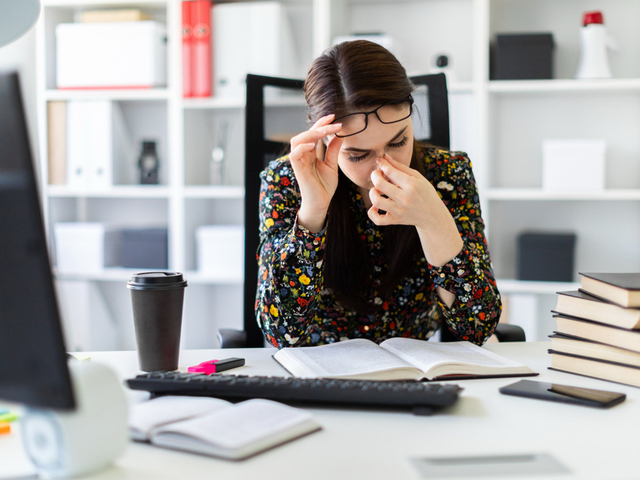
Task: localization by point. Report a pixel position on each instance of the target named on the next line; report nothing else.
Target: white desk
(592, 443)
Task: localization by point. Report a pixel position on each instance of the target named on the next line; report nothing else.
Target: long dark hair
(354, 76)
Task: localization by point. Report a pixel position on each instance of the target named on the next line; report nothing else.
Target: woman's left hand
(407, 198)
(405, 195)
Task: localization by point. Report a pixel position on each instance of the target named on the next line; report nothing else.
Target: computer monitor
(33, 359)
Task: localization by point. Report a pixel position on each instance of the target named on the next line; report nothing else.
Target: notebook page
(145, 416)
(242, 429)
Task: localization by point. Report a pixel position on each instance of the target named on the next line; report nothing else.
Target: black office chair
(275, 112)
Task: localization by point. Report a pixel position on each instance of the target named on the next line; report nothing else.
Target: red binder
(201, 55)
(187, 43)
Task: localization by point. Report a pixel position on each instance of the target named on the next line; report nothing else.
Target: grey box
(145, 248)
(522, 57)
(546, 256)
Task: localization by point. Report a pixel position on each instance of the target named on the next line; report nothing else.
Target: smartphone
(564, 393)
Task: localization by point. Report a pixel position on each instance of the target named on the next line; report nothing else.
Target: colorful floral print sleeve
(293, 308)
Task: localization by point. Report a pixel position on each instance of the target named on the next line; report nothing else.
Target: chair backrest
(275, 111)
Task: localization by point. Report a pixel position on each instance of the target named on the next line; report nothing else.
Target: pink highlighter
(217, 366)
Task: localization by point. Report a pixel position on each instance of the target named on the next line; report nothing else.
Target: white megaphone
(594, 43)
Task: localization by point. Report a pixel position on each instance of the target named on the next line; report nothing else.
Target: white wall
(20, 56)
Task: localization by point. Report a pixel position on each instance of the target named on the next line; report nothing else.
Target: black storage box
(145, 248)
(522, 57)
(546, 256)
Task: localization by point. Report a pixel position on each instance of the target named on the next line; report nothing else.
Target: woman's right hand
(316, 176)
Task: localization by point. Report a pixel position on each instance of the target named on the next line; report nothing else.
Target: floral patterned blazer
(294, 308)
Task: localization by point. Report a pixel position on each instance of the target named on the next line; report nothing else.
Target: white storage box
(220, 250)
(83, 247)
(573, 165)
(111, 55)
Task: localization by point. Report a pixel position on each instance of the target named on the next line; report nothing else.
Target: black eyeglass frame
(375, 110)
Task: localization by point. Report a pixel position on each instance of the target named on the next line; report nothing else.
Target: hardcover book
(620, 288)
(592, 349)
(595, 368)
(582, 305)
(397, 359)
(599, 332)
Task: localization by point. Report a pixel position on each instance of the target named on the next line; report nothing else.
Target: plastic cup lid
(156, 280)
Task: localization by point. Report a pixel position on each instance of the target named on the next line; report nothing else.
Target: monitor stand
(63, 444)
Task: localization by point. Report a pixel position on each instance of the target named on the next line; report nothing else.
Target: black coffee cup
(157, 299)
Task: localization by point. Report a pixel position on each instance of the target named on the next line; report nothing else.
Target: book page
(349, 357)
(428, 355)
(145, 416)
(238, 431)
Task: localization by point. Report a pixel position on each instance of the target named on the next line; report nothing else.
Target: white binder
(251, 37)
(97, 138)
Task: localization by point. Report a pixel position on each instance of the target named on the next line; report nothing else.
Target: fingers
(380, 200)
(319, 130)
(298, 153)
(333, 149)
(384, 185)
(381, 217)
(398, 173)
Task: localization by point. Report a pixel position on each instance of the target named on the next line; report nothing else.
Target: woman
(364, 231)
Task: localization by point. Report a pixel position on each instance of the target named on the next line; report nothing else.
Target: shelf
(533, 287)
(526, 194)
(106, 275)
(111, 94)
(197, 278)
(460, 87)
(124, 275)
(123, 191)
(564, 86)
(224, 191)
(103, 3)
(212, 103)
(216, 103)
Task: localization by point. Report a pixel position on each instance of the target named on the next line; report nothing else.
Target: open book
(211, 426)
(397, 359)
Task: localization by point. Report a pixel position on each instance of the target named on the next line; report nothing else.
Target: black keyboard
(421, 397)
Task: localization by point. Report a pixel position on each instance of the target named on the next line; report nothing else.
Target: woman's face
(357, 157)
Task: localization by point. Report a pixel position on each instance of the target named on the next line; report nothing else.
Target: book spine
(187, 46)
(57, 132)
(201, 49)
(124, 15)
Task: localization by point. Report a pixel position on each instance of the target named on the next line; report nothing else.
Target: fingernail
(337, 126)
(330, 115)
(387, 157)
(321, 131)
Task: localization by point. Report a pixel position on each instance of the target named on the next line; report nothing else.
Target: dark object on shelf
(145, 248)
(546, 256)
(148, 163)
(442, 61)
(522, 57)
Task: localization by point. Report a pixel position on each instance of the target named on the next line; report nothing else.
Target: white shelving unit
(499, 123)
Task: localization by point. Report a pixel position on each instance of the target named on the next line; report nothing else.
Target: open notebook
(211, 426)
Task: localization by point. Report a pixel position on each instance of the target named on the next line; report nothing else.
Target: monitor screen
(33, 360)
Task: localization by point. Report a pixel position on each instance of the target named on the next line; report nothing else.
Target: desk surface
(592, 443)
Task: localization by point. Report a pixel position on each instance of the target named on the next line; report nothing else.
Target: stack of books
(598, 328)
